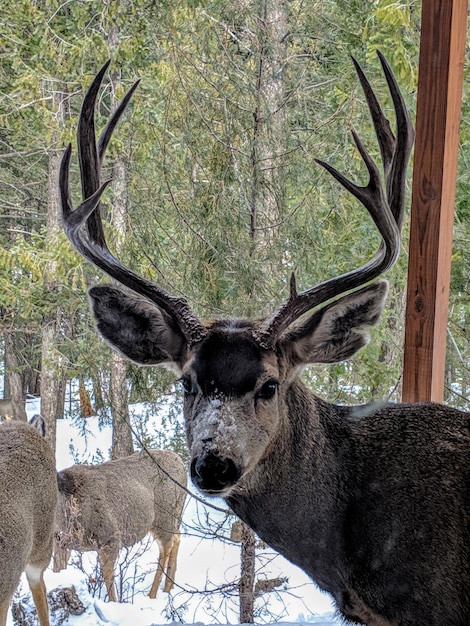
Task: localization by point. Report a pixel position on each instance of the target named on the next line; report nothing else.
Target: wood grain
(442, 47)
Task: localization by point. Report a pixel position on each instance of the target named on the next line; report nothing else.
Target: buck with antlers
(372, 501)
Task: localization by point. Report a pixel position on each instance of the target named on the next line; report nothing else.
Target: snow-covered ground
(204, 564)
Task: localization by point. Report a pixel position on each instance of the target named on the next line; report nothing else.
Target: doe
(28, 500)
(116, 504)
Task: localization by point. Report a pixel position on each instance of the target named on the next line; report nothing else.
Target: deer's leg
(171, 569)
(39, 593)
(107, 560)
(165, 548)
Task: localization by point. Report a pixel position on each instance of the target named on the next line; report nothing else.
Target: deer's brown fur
(6, 410)
(28, 499)
(115, 504)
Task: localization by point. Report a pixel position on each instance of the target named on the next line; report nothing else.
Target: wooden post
(442, 47)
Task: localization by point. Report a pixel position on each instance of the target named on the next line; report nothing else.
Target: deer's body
(116, 504)
(372, 501)
(28, 499)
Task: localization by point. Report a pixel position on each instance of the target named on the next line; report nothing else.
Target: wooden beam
(440, 78)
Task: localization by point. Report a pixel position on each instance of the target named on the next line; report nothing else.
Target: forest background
(215, 193)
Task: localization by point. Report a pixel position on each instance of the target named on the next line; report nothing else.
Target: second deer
(6, 409)
(116, 504)
(28, 499)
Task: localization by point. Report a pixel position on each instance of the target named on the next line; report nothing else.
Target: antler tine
(396, 179)
(385, 136)
(88, 158)
(93, 244)
(395, 152)
(385, 206)
(112, 122)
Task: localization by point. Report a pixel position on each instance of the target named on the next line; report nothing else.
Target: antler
(385, 206)
(92, 244)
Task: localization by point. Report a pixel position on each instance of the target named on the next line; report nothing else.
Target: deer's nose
(212, 473)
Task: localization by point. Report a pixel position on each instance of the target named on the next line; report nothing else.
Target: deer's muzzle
(214, 474)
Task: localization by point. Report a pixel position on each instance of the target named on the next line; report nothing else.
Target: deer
(28, 500)
(371, 501)
(7, 412)
(6, 409)
(116, 504)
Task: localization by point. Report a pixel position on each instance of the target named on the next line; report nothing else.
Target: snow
(205, 564)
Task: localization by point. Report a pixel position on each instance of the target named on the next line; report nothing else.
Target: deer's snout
(212, 473)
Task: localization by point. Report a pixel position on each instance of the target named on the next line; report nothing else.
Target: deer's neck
(293, 498)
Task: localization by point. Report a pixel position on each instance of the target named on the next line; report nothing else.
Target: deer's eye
(268, 390)
(188, 386)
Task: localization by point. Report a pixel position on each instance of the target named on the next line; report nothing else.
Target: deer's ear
(135, 327)
(337, 331)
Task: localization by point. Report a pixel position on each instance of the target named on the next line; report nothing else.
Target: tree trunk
(122, 436)
(50, 375)
(13, 374)
(269, 123)
(6, 382)
(247, 575)
(51, 366)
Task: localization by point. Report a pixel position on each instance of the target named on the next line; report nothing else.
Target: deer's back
(28, 498)
(118, 501)
(163, 475)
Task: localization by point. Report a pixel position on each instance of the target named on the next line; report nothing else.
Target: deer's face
(231, 405)
(234, 388)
